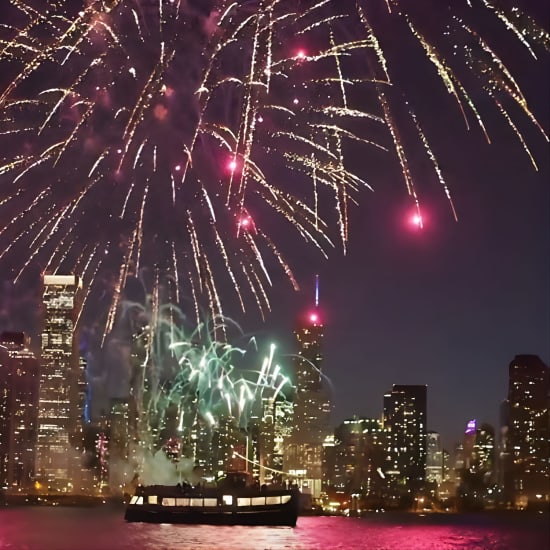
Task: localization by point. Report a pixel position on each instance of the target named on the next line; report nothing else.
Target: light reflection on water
(35, 528)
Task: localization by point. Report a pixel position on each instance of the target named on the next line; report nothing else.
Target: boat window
(285, 499)
(228, 499)
(134, 500)
(273, 500)
(258, 501)
(182, 502)
(210, 501)
(243, 501)
(196, 501)
(139, 500)
(168, 501)
(152, 499)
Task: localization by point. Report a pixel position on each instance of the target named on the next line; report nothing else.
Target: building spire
(317, 290)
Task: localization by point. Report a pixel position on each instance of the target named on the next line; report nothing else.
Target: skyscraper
(405, 415)
(59, 435)
(120, 471)
(529, 427)
(310, 423)
(477, 469)
(434, 458)
(311, 402)
(225, 440)
(484, 451)
(282, 430)
(275, 429)
(18, 418)
(359, 456)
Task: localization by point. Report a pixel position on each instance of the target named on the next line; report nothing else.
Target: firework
(176, 377)
(208, 379)
(176, 390)
(170, 133)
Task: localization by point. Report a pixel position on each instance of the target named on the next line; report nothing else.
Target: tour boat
(235, 501)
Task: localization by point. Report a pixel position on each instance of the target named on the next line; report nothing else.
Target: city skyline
(450, 328)
(447, 304)
(358, 409)
(311, 452)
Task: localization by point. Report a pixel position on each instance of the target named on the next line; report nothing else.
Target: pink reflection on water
(102, 528)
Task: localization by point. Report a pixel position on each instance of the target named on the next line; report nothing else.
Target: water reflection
(35, 528)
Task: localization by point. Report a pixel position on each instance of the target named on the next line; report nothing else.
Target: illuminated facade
(60, 411)
(359, 456)
(275, 429)
(225, 440)
(529, 428)
(475, 488)
(311, 404)
(469, 442)
(120, 472)
(201, 439)
(405, 417)
(282, 430)
(483, 455)
(329, 462)
(434, 458)
(18, 411)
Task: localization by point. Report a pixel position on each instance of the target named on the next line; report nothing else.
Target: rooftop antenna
(316, 291)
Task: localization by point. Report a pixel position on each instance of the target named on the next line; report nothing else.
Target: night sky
(451, 304)
(448, 305)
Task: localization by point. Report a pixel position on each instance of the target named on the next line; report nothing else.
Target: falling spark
(176, 120)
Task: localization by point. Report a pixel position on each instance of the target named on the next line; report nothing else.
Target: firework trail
(180, 377)
(170, 133)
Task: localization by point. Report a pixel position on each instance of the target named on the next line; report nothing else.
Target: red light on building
(314, 318)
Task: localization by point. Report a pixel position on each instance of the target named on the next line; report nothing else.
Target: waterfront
(102, 528)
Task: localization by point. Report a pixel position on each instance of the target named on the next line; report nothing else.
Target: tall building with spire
(59, 416)
(311, 402)
(312, 407)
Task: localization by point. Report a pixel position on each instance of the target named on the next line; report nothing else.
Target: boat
(236, 500)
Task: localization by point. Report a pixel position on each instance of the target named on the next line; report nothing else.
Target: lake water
(103, 528)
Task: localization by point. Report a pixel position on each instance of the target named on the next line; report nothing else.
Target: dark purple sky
(450, 305)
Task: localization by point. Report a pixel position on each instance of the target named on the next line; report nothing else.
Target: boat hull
(214, 506)
(283, 517)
